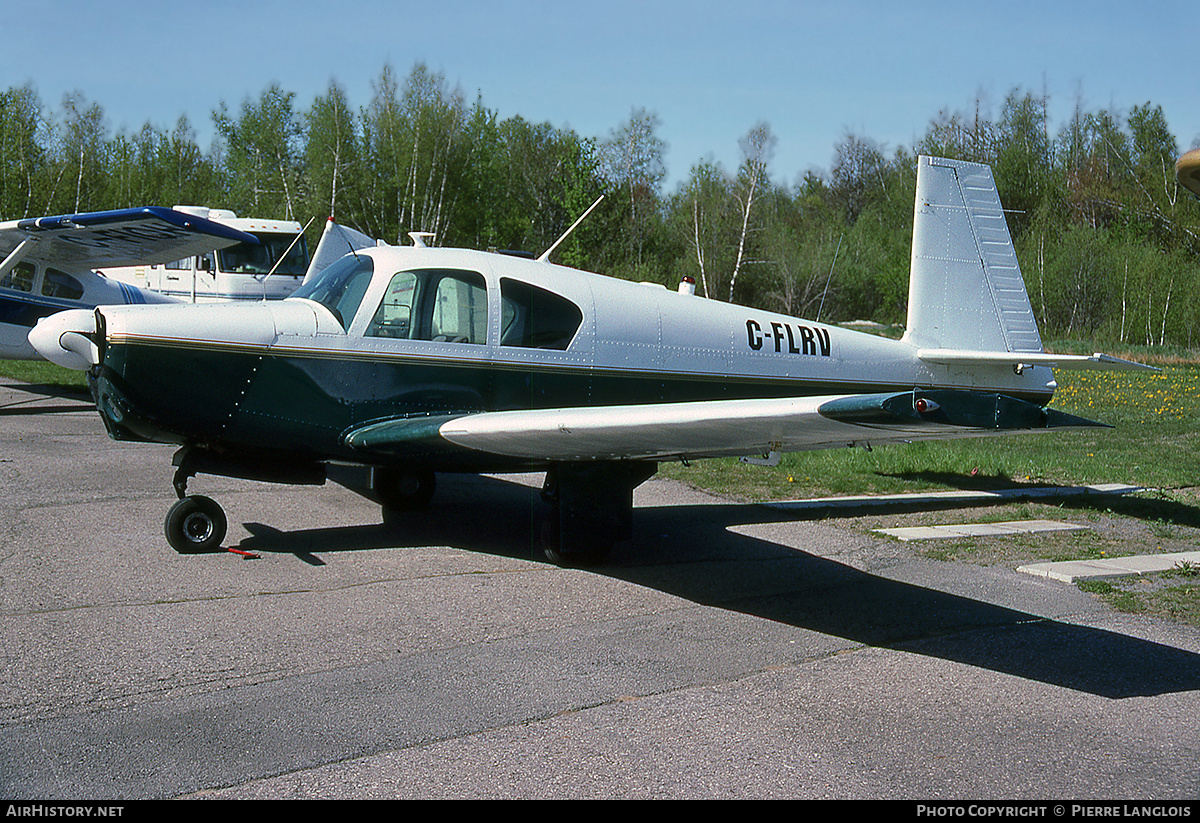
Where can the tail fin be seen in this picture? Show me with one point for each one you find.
(336, 242)
(965, 289)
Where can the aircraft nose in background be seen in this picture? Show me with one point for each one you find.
(61, 338)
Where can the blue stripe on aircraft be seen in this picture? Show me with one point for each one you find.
(26, 310)
(130, 294)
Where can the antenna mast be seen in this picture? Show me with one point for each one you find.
(546, 254)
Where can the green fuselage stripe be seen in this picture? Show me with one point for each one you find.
(302, 402)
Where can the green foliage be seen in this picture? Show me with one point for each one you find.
(1109, 247)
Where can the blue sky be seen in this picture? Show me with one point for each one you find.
(710, 70)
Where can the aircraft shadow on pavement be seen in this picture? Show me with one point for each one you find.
(78, 399)
(690, 551)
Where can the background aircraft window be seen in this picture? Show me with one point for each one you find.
(341, 286)
(534, 318)
(60, 284)
(449, 306)
(20, 278)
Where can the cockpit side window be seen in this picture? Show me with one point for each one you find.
(435, 304)
(534, 318)
(20, 277)
(393, 318)
(341, 286)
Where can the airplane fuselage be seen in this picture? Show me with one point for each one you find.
(417, 360)
(292, 377)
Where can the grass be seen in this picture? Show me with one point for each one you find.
(42, 373)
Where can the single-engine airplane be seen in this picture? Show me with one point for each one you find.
(47, 262)
(416, 360)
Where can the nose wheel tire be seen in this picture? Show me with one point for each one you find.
(195, 524)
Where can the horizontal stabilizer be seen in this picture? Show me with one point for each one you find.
(1097, 361)
(951, 407)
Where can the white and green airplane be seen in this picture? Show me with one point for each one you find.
(416, 360)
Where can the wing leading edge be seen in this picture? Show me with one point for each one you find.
(723, 427)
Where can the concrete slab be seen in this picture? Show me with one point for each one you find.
(1071, 571)
(959, 497)
(978, 529)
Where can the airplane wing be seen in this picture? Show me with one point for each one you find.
(118, 238)
(722, 427)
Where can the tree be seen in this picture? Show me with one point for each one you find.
(412, 141)
(81, 151)
(261, 157)
(757, 147)
(330, 153)
(23, 156)
(632, 160)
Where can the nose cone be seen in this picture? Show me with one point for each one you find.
(63, 338)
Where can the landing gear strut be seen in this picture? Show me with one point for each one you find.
(402, 490)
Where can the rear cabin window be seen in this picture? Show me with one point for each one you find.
(445, 305)
(60, 284)
(534, 318)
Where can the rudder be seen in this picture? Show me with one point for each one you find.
(966, 291)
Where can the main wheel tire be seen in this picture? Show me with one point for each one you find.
(581, 557)
(195, 524)
(404, 491)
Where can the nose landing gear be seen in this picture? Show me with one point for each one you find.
(195, 524)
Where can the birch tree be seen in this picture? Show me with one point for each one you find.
(757, 147)
(632, 160)
(262, 153)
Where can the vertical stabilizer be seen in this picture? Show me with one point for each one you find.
(336, 242)
(965, 288)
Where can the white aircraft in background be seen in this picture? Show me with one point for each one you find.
(415, 360)
(48, 263)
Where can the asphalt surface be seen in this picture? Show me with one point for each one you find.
(729, 651)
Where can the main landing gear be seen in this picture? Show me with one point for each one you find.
(400, 491)
(591, 508)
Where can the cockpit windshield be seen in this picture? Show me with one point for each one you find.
(340, 287)
(244, 258)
